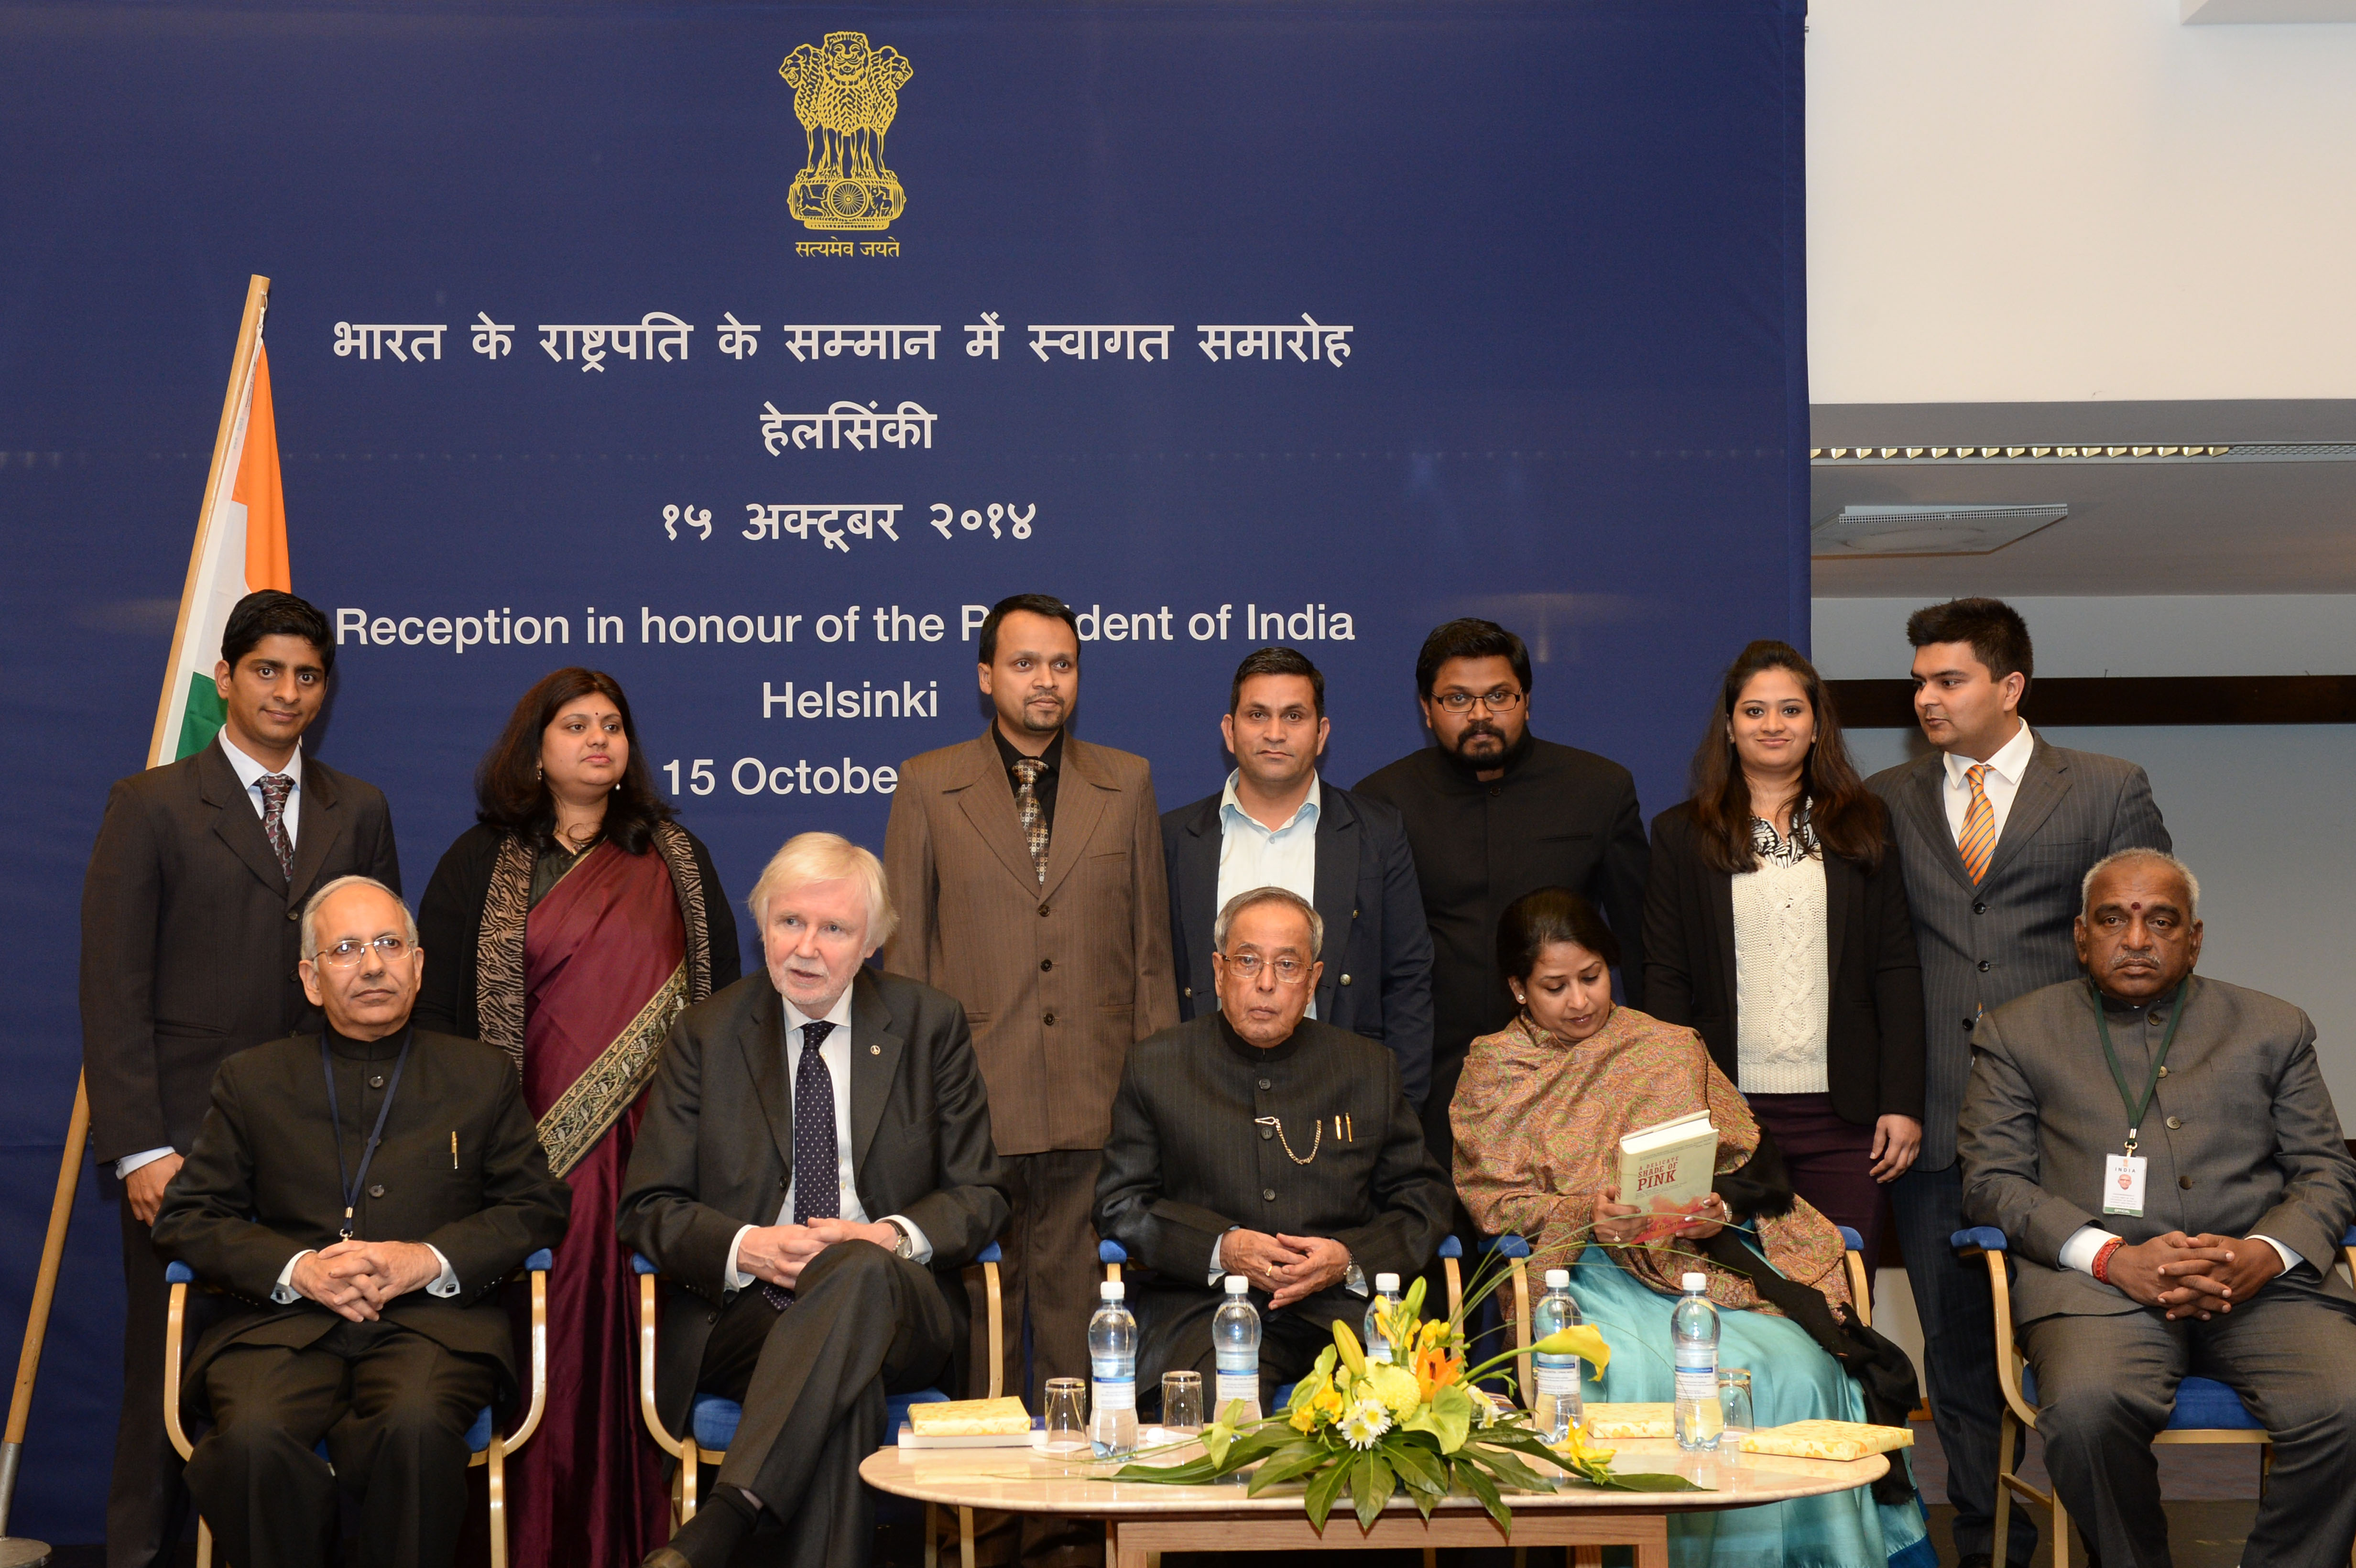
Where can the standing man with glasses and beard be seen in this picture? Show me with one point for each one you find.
(1491, 813)
(190, 951)
(1027, 866)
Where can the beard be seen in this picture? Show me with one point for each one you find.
(1510, 757)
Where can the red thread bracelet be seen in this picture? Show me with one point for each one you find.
(2102, 1269)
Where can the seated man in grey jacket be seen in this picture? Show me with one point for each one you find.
(2164, 1160)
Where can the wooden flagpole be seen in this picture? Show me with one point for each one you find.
(15, 1553)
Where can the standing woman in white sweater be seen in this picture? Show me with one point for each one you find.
(1775, 926)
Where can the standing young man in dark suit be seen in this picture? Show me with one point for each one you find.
(1491, 813)
(190, 945)
(814, 1170)
(1996, 829)
(1276, 824)
(366, 1274)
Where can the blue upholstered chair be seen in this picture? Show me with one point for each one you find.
(2206, 1411)
(1516, 1251)
(484, 1440)
(712, 1420)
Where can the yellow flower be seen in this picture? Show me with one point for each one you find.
(1347, 1344)
(1435, 1368)
(1328, 1405)
(1392, 1387)
(1302, 1419)
(1584, 1340)
(1433, 1335)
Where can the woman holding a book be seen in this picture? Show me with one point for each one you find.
(1776, 925)
(1541, 1116)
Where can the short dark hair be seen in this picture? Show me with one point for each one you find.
(1034, 604)
(1469, 639)
(511, 794)
(1537, 920)
(273, 613)
(1277, 661)
(1998, 637)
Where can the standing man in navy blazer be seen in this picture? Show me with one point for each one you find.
(1276, 824)
(1996, 829)
(190, 940)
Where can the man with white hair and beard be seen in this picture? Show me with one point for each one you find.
(814, 1169)
(2164, 1161)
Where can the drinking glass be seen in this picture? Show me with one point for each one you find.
(1068, 1415)
(1182, 1403)
(1734, 1405)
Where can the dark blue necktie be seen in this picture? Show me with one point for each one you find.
(817, 1164)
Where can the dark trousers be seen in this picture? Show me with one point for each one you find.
(1951, 1297)
(146, 1504)
(1174, 1336)
(1831, 1162)
(813, 1381)
(395, 1408)
(2105, 1386)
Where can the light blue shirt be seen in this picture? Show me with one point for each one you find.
(1254, 856)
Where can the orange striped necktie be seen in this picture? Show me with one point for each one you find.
(1978, 838)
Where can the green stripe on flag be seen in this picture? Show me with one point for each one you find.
(201, 721)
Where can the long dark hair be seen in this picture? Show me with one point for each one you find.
(511, 794)
(1848, 817)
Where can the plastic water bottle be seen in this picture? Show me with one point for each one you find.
(1234, 1341)
(1386, 1296)
(1558, 1403)
(1112, 1374)
(1693, 1326)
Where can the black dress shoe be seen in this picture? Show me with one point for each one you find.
(664, 1557)
(1977, 1560)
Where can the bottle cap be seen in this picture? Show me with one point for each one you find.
(1386, 1284)
(1238, 1284)
(1558, 1279)
(1110, 1289)
(1693, 1282)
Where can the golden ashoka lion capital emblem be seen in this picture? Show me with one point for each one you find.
(845, 95)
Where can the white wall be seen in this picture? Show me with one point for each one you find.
(2050, 201)
(2265, 815)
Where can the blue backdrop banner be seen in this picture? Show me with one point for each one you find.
(749, 352)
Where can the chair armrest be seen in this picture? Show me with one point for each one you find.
(990, 1255)
(1110, 1252)
(536, 1269)
(178, 1273)
(176, 1310)
(1450, 1247)
(1511, 1245)
(642, 1264)
(1970, 1244)
(539, 1262)
(644, 1267)
(1850, 1241)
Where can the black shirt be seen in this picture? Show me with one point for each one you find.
(1558, 817)
(1046, 788)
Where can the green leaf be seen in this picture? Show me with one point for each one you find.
(1324, 1490)
(1414, 1300)
(1287, 1465)
(1370, 1487)
(1651, 1481)
(1449, 1418)
(1423, 1469)
(1193, 1473)
(1470, 1477)
(1509, 1470)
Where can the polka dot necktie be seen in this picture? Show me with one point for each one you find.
(1978, 841)
(276, 788)
(1035, 821)
(817, 1164)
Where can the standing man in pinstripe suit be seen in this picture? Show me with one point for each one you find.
(1996, 829)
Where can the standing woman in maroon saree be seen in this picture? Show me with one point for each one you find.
(568, 928)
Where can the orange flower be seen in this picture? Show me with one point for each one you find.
(1435, 1369)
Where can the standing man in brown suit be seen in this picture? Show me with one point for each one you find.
(1028, 867)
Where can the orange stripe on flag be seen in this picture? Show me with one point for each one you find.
(257, 490)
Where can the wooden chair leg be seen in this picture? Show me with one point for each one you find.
(2061, 1531)
(2004, 1428)
(204, 1544)
(689, 1459)
(495, 1468)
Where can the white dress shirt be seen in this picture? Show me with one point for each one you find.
(285, 1295)
(1252, 855)
(835, 1052)
(1999, 783)
(249, 774)
(2086, 1243)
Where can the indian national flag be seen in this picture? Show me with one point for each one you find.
(241, 548)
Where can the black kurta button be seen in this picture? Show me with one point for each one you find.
(377, 1189)
(1979, 909)
(295, 914)
(1345, 979)
(377, 1081)
(2185, 1182)
(1048, 1020)
(1969, 1022)
(1986, 965)
(1045, 965)
(1266, 1084)
(1267, 1193)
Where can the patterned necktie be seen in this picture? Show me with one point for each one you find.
(276, 788)
(818, 1166)
(1978, 841)
(1026, 807)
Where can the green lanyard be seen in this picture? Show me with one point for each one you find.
(2134, 1107)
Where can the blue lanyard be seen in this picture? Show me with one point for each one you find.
(336, 1122)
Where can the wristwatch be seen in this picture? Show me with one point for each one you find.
(906, 1245)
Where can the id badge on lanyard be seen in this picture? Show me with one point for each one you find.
(2123, 1173)
(2123, 1184)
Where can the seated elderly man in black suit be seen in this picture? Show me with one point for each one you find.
(814, 1168)
(2165, 1162)
(365, 1191)
(1259, 1142)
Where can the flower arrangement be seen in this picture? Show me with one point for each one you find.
(1419, 1421)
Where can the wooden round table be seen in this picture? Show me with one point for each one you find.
(1143, 1520)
